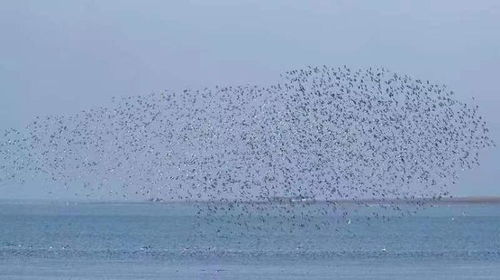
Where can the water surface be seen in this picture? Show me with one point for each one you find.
(167, 241)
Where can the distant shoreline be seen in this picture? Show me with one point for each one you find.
(472, 199)
(442, 201)
(453, 200)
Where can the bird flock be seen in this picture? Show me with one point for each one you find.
(319, 136)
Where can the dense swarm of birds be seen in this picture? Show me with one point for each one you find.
(321, 134)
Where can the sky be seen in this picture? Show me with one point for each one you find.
(61, 57)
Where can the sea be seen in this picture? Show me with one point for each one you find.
(97, 240)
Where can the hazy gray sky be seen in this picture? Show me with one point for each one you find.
(59, 57)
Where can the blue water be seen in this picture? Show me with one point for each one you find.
(167, 241)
